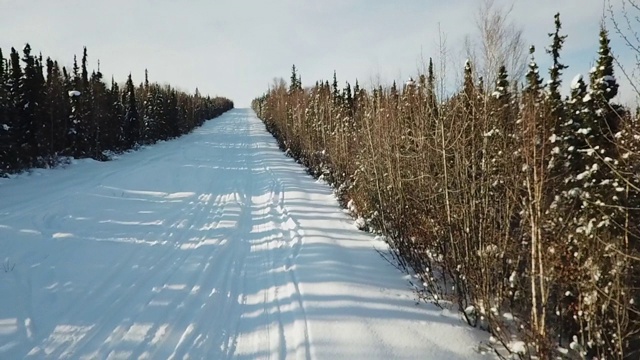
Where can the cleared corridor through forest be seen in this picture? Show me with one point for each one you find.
(212, 246)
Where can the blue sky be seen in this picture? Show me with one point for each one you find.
(235, 48)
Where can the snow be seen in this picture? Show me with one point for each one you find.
(575, 83)
(214, 245)
(518, 347)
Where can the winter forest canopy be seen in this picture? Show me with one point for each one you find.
(517, 204)
(48, 113)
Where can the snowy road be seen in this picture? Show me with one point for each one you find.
(212, 246)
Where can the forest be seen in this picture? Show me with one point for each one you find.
(49, 114)
(510, 201)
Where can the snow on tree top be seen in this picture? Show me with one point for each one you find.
(575, 83)
(73, 93)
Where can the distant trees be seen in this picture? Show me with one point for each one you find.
(517, 204)
(47, 112)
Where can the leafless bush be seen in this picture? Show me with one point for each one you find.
(519, 207)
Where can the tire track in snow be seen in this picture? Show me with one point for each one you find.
(113, 295)
(189, 287)
(170, 264)
(293, 236)
(214, 305)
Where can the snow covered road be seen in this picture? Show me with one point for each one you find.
(211, 246)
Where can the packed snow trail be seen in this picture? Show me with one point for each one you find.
(211, 246)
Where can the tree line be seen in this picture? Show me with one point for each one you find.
(517, 204)
(49, 112)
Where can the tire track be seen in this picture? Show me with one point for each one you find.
(115, 298)
(293, 236)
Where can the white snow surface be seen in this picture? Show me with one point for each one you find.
(211, 246)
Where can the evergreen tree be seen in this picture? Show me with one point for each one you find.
(502, 103)
(469, 92)
(75, 114)
(501, 91)
(73, 138)
(74, 133)
(559, 152)
(357, 95)
(595, 192)
(56, 111)
(394, 94)
(347, 96)
(555, 72)
(14, 129)
(32, 91)
(468, 87)
(86, 126)
(100, 115)
(159, 114)
(131, 119)
(4, 115)
(149, 120)
(534, 82)
(430, 85)
(28, 104)
(76, 79)
(295, 83)
(85, 72)
(116, 123)
(335, 91)
(604, 88)
(577, 106)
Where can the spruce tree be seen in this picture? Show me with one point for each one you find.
(4, 116)
(28, 103)
(149, 120)
(555, 72)
(578, 107)
(294, 84)
(86, 126)
(32, 91)
(56, 111)
(432, 100)
(468, 86)
(334, 89)
(14, 135)
(604, 87)
(159, 115)
(116, 122)
(100, 116)
(559, 153)
(132, 118)
(598, 193)
(74, 131)
(534, 82)
(501, 91)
